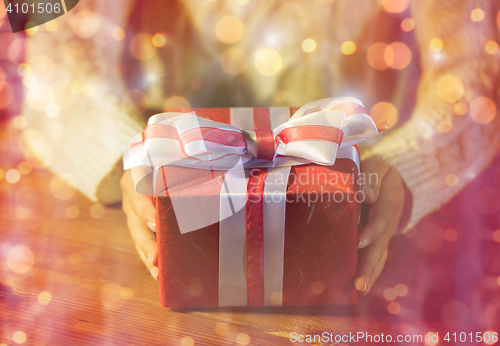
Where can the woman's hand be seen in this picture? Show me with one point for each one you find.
(386, 194)
(141, 217)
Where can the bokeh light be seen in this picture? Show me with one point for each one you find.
(436, 44)
(187, 341)
(317, 287)
(268, 61)
(450, 88)
(234, 60)
(394, 308)
(491, 47)
(141, 47)
(118, 34)
(407, 24)
(243, 339)
(496, 236)
(431, 339)
(444, 126)
(242, 2)
(384, 114)
(31, 31)
(19, 337)
(229, 29)
(477, 15)
(375, 56)
(62, 186)
(490, 337)
(401, 290)
(176, 102)
(44, 298)
(482, 110)
(348, 47)
(22, 213)
(52, 110)
(12, 176)
(20, 259)
(395, 6)
(276, 298)
(19, 122)
(85, 24)
(72, 211)
(127, 293)
(159, 40)
(97, 211)
(51, 26)
(75, 258)
(2, 174)
(3, 78)
(450, 235)
(6, 95)
(111, 296)
(390, 294)
(24, 167)
(309, 45)
(451, 180)
(460, 108)
(397, 55)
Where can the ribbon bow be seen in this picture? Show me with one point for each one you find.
(312, 134)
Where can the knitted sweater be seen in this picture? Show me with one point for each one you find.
(88, 85)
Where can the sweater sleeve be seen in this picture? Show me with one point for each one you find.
(78, 123)
(438, 152)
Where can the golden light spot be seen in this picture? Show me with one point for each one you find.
(44, 298)
(24, 167)
(375, 56)
(450, 235)
(176, 103)
(69, 53)
(85, 24)
(22, 213)
(268, 61)
(42, 67)
(29, 81)
(390, 294)
(62, 186)
(32, 31)
(450, 88)
(317, 287)
(233, 61)
(40, 96)
(401, 290)
(187, 341)
(20, 259)
(111, 296)
(97, 211)
(276, 298)
(72, 211)
(496, 236)
(348, 47)
(243, 339)
(394, 308)
(51, 26)
(490, 337)
(397, 55)
(395, 6)
(242, 2)
(229, 29)
(1, 174)
(460, 108)
(75, 258)
(498, 280)
(444, 126)
(491, 47)
(309, 45)
(384, 114)
(477, 15)
(482, 110)
(279, 96)
(52, 110)
(6, 95)
(451, 180)
(19, 122)
(118, 34)
(127, 293)
(19, 337)
(431, 339)
(407, 24)
(141, 47)
(12, 176)
(159, 40)
(195, 287)
(23, 69)
(3, 78)
(436, 44)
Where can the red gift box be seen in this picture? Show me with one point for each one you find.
(320, 239)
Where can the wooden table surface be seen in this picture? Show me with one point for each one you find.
(79, 281)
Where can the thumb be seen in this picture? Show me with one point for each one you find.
(373, 171)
